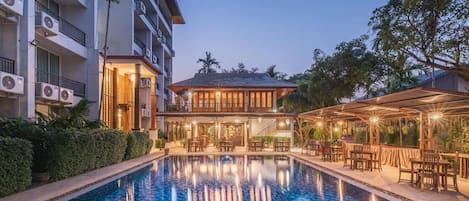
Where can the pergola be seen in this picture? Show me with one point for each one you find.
(426, 105)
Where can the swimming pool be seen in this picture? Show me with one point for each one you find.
(228, 178)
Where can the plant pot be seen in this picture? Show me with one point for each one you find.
(41, 176)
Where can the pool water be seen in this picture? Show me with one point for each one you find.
(227, 178)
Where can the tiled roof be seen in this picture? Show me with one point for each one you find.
(233, 80)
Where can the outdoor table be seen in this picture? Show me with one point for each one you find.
(444, 165)
(356, 152)
(282, 146)
(256, 145)
(226, 145)
(313, 146)
(335, 149)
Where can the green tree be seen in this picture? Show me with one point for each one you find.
(433, 32)
(208, 64)
(402, 74)
(275, 74)
(240, 68)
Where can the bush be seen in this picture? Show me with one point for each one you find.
(32, 132)
(160, 143)
(15, 162)
(73, 151)
(138, 144)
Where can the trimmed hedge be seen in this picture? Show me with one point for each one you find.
(138, 144)
(74, 151)
(15, 165)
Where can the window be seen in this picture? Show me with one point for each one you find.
(49, 6)
(203, 101)
(47, 69)
(260, 100)
(232, 101)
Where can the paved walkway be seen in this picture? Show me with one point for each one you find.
(60, 188)
(386, 180)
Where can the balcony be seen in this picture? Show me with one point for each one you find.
(65, 27)
(7, 65)
(78, 88)
(216, 107)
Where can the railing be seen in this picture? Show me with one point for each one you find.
(65, 27)
(78, 88)
(7, 65)
(215, 107)
(140, 44)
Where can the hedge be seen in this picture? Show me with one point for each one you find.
(15, 165)
(74, 151)
(138, 144)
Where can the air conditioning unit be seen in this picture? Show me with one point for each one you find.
(11, 83)
(47, 91)
(145, 82)
(65, 95)
(163, 40)
(46, 24)
(148, 53)
(154, 59)
(146, 113)
(140, 8)
(12, 6)
(160, 33)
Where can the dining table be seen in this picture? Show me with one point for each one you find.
(442, 169)
(282, 146)
(195, 145)
(256, 145)
(370, 155)
(226, 145)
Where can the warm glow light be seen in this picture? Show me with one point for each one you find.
(319, 123)
(217, 93)
(287, 121)
(274, 110)
(340, 123)
(237, 121)
(336, 129)
(435, 115)
(281, 124)
(194, 122)
(374, 119)
(259, 119)
(187, 126)
(189, 93)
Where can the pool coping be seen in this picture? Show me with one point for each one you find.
(361, 184)
(64, 188)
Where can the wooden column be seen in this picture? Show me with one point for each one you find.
(429, 132)
(153, 103)
(374, 133)
(422, 130)
(137, 106)
(115, 98)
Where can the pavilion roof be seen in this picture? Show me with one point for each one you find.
(400, 104)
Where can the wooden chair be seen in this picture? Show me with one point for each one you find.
(361, 159)
(347, 157)
(453, 171)
(326, 151)
(376, 161)
(428, 172)
(403, 170)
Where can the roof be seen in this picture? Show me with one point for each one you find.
(400, 104)
(426, 78)
(177, 17)
(231, 80)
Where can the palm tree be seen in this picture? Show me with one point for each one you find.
(105, 48)
(207, 64)
(403, 74)
(271, 71)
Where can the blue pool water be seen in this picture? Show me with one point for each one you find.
(227, 178)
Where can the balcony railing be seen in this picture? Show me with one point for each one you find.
(216, 107)
(7, 65)
(140, 44)
(78, 88)
(65, 27)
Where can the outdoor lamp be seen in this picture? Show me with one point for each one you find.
(336, 129)
(374, 119)
(435, 115)
(287, 121)
(319, 123)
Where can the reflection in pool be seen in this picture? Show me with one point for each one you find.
(228, 178)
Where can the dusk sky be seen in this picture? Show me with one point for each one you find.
(261, 33)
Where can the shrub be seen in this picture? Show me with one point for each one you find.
(73, 151)
(15, 162)
(138, 144)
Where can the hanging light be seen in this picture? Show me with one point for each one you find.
(336, 129)
(435, 115)
(374, 119)
(319, 123)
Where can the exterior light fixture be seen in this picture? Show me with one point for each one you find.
(319, 123)
(259, 119)
(237, 121)
(435, 115)
(189, 93)
(281, 124)
(374, 119)
(336, 129)
(194, 122)
(287, 121)
(217, 93)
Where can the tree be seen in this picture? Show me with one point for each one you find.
(433, 32)
(207, 64)
(240, 68)
(275, 74)
(402, 74)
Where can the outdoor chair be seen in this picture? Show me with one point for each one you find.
(326, 152)
(347, 158)
(376, 161)
(453, 171)
(403, 170)
(360, 159)
(428, 172)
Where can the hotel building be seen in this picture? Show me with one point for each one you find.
(234, 106)
(51, 57)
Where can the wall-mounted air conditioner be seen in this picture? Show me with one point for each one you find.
(46, 24)
(14, 7)
(65, 95)
(140, 8)
(11, 83)
(47, 91)
(145, 82)
(154, 59)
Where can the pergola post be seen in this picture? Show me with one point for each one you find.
(374, 133)
(425, 131)
(429, 132)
